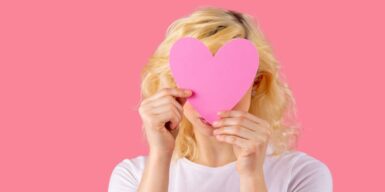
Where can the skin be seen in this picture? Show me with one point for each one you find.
(237, 136)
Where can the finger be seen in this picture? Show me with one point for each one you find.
(234, 140)
(175, 92)
(245, 122)
(242, 114)
(174, 124)
(235, 121)
(245, 133)
(174, 132)
(169, 116)
(246, 145)
(236, 131)
(166, 100)
(166, 109)
(181, 100)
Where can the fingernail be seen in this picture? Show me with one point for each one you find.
(187, 91)
(215, 123)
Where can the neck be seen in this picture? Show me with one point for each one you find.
(212, 152)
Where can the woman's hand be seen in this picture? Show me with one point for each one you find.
(161, 114)
(249, 136)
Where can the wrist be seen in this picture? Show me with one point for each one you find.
(257, 177)
(253, 182)
(160, 155)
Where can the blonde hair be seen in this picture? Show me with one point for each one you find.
(272, 101)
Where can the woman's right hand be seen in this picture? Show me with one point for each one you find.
(161, 114)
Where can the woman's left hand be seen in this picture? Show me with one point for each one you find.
(249, 136)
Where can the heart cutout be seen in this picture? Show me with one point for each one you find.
(218, 82)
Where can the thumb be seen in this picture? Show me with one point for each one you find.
(174, 132)
(182, 100)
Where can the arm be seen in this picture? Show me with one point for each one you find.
(156, 173)
(161, 115)
(253, 183)
(309, 174)
(249, 135)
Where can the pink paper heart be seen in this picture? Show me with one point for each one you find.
(218, 82)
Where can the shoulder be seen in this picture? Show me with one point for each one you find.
(136, 163)
(307, 173)
(126, 174)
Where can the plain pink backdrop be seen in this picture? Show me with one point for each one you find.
(70, 75)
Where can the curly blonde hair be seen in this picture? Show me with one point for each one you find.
(272, 101)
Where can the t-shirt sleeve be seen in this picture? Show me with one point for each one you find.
(310, 175)
(126, 175)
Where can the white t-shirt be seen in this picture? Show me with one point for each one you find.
(293, 171)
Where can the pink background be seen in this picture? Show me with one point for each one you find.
(69, 85)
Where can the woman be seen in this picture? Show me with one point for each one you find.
(251, 146)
